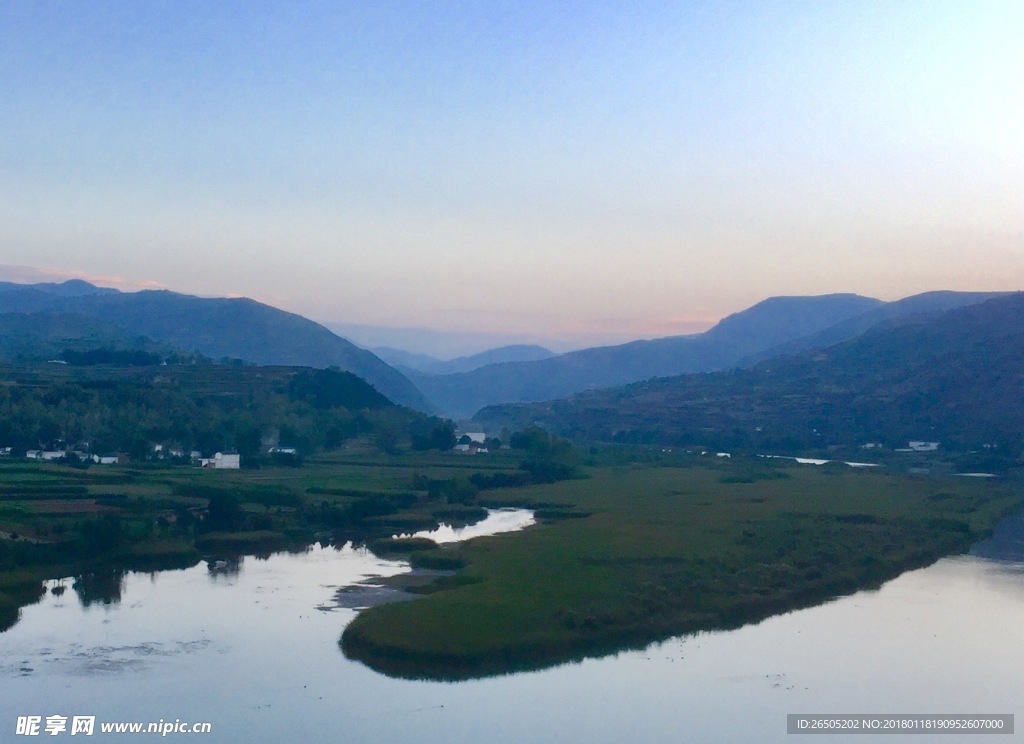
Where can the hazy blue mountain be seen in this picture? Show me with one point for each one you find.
(954, 377)
(436, 343)
(218, 327)
(70, 288)
(769, 323)
(400, 359)
(928, 302)
(409, 362)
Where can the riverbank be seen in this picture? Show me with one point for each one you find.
(664, 551)
(57, 520)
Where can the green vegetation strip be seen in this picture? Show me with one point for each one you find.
(666, 551)
(58, 521)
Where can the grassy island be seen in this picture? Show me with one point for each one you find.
(651, 552)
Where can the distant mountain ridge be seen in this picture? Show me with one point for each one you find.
(927, 302)
(409, 362)
(771, 328)
(954, 377)
(769, 323)
(70, 288)
(77, 311)
(217, 327)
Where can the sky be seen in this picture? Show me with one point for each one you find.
(572, 172)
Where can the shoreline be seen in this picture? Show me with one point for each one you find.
(599, 585)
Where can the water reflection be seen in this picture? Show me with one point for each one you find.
(818, 461)
(100, 587)
(221, 568)
(497, 521)
(255, 657)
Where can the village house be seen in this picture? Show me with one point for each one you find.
(473, 448)
(221, 461)
(45, 454)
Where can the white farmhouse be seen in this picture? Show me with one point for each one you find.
(227, 462)
(221, 461)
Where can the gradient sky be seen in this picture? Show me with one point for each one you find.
(579, 170)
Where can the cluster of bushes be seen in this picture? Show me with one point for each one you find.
(548, 458)
(254, 494)
(359, 511)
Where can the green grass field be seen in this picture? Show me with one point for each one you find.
(630, 554)
(666, 551)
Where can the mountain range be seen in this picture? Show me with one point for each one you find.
(952, 376)
(216, 327)
(772, 327)
(408, 362)
(42, 320)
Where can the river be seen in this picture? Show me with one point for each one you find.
(253, 649)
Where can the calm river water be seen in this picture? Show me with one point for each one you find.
(253, 649)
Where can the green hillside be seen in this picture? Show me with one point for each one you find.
(209, 407)
(216, 327)
(953, 377)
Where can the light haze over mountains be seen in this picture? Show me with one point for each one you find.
(38, 319)
(423, 363)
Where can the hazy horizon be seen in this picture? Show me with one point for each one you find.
(441, 344)
(584, 172)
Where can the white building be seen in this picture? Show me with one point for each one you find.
(43, 455)
(221, 461)
(227, 462)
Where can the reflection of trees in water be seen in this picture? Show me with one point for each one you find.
(102, 587)
(224, 566)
